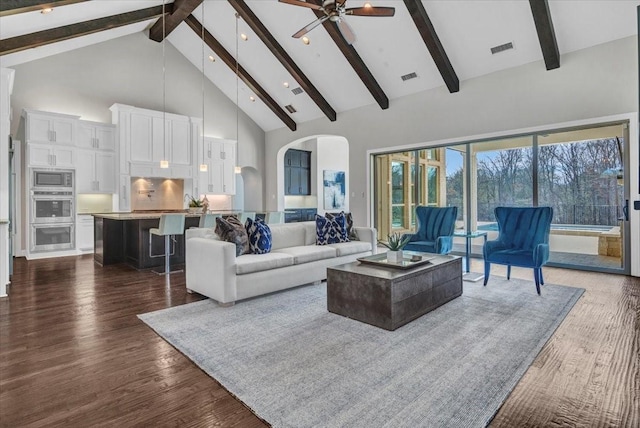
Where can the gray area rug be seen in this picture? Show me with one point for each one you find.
(297, 365)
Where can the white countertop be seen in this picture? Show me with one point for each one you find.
(138, 216)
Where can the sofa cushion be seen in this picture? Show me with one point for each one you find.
(353, 247)
(286, 235)
(259, 236)
(308, 253)
(231, 230)
(331, 231)
(309, 232)
(249, 263)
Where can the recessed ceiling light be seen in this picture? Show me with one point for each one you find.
(46, 10)
(211, 58)
(285, 84)
(305, 40)
(252, 99)
(244, 37)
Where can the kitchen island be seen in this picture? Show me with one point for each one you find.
(124, 238)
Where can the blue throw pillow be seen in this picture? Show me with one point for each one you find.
(259, 236)
(331, 231)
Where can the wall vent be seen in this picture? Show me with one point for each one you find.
(297, 91)
(409, 76)
(501, 48)
(290, 108)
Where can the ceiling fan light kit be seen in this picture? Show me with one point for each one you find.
(335, 11)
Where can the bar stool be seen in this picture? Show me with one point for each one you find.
(208, 220)
(170, 225)
(244, 215)
(275, 217)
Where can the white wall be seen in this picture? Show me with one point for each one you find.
(590, 83)
(128, 70)
(6, 84)
(332, 154)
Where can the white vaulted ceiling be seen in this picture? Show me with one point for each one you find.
(390, 47)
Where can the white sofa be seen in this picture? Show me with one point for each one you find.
(212, 268)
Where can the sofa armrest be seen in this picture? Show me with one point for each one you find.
(199, 232)
(210, 268)
(368, 234)
(444, 244)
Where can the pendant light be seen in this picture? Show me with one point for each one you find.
(164, 163)
(203, 166)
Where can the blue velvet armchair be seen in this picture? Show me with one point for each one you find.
(523, 241)
(435, 230)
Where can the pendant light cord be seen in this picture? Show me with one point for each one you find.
(237, 84)
(164, 87)
(203, 3)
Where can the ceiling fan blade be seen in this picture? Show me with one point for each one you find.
(346, 31)
(310, 27)
(371, 11)
(302, 3)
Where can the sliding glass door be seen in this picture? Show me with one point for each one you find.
(579, 172)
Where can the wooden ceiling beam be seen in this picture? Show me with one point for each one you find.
(288, 63)
(546, 34)
(181, 9)
(12, 7)
(432, 41)
(228, 59)
(53, 35)
(356, 62)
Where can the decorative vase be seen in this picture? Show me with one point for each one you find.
(394, 256)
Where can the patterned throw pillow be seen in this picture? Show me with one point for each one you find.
(231, 230)
(331, 231)
(259, 236)
(351, 233)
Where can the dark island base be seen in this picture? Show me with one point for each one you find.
(127, 241)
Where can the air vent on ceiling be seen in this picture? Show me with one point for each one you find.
(290, 108)
(409, 76)
(501, 48)
(297, 91)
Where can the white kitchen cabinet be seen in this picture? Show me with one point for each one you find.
(93, 135)
(148, 136)
(95, 172)
(84, 233)
(44, 127)
(50, 155)
(220, 157)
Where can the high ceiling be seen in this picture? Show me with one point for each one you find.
(389, 47)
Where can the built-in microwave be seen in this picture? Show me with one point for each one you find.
(52, 207)
(52, 179)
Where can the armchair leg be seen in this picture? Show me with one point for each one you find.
(508, 271)
(487, 269)
(537, 274)
(541, 278)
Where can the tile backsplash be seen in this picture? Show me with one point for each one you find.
(157, 194)
(94, 203)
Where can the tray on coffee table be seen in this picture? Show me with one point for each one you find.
(409, 260)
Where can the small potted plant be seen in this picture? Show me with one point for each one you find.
(395, 243)
(195, 204)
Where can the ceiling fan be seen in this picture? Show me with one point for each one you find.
(335, 11)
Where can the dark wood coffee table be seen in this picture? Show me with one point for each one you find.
(387, 297)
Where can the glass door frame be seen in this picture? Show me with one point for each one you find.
(471, 199)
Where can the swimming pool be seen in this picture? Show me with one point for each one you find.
(583, 227)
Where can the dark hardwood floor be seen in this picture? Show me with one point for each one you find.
(74, 354)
